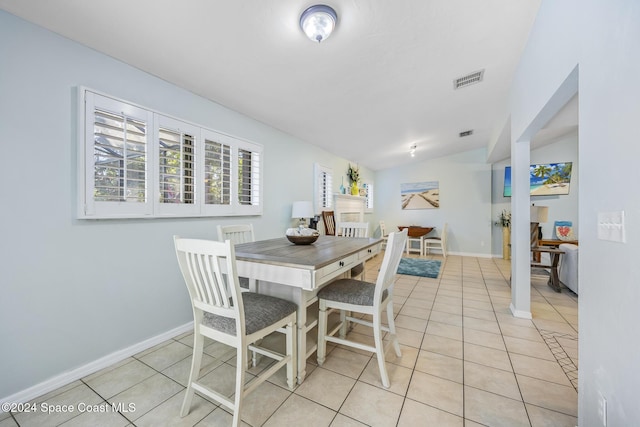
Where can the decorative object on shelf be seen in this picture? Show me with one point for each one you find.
(563, 230)
(420, 195)
(342, 189)
(318, 21)
(302, 236)
(353, 173)
(504, 221)
(302, 210)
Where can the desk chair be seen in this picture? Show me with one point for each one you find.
(366, 298)
(238, 319)
(440, 243)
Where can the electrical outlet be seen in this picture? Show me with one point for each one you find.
(602, 410)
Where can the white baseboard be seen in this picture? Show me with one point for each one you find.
(520, 313)
(91, 367)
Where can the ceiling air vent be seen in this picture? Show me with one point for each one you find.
(466, 133)
(469, 79)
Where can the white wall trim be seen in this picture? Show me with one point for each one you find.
(91, 367)
(520, 313)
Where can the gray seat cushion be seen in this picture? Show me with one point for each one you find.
(260, 311)
(350, 291)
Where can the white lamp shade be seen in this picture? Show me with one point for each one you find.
(303, 209)
(318, 22)
(539, 214)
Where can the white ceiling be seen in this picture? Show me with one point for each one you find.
(382, 82)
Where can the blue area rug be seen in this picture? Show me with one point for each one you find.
(420, 267)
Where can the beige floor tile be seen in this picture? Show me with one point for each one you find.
(448, 300)
(487, 356)
(166, 355)
(447, 308)
(548, 370)
(493, 410)
(399, 376)
(326, 388)
(298, 411)
(445, 330)
(556, 397)
(262, 403)
(408, 337)
(342, 421)
(479, 305)
(120, 379)
(448, 318)
(407, 359)
(372, 405)
(440, 365)
(168, 412)
(486, 339)
(97, 418)
(541, 417)
(146, 395)
(480, 314)
(437, 392)
(418, 414)
(481, 324)
(220, 418)
(549, 325)
(179, 372)
(418, 312)
(346, 362)
(491, 379)
(528, 348)
(523, 332)
(411, 323)
(443, 345)
(8, 422)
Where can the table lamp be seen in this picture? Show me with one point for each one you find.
(538, 214)
(302, 210)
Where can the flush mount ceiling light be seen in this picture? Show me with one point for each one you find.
(412, 150)
(318, 22)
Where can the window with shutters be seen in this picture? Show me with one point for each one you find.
(323, 188)
(368, 194)
(134, 162)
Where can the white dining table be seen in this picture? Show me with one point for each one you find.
(279, 268)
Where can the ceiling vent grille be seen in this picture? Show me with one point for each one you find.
(469, 79)
(466, 133)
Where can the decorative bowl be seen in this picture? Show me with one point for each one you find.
(302, 240)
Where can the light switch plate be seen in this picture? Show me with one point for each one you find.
(611, 226)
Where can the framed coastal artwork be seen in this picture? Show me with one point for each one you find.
(420, 195)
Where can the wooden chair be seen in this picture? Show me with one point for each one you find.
(440, 242)
(329, 223)
(234, 318)
(366, 298)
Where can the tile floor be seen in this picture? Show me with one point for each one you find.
(466, 362)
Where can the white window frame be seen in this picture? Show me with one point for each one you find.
(151, 206)
(322, 187)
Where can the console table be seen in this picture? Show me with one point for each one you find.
(553, 243)
(554, 278)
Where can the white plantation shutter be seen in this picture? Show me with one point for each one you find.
(368, 187)
(323, 188)
(134, 163)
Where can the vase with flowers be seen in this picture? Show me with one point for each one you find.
(353, 173)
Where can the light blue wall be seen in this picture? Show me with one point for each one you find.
(465, 199)
(561, 208)
(601, 38)
(74, 291)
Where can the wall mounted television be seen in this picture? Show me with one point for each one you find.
(548, 179)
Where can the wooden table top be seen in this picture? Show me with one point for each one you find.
(416, 231)
(546, 249)
(555, 242)
(324, 251)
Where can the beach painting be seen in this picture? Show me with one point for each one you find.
(545, 179)
(420, 195)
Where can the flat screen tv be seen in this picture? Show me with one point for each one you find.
(549, 179)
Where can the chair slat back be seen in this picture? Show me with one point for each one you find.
(392, 254)
(209, 271)
(353, 229)
(329, 223)
(383, 229)
(241, 233)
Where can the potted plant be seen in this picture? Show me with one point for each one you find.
(353, 173)
(504, 221)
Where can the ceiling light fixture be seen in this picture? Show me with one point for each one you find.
(318, 21)
(412, 151)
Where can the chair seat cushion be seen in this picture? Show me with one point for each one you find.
(350, 291)
(260, 311)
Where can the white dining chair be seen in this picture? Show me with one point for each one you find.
(238, 233)
(238, 319)
(357, 296)
(354, 229)
(383, 234)
(439, 242)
